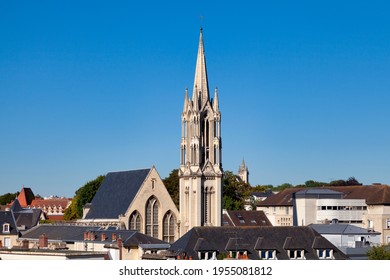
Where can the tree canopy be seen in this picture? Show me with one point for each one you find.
(8, 198)
(379, 253)
(172, 184)
(83, 196)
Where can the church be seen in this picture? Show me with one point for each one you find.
(138, 199)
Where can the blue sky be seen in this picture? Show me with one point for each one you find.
(89, 87)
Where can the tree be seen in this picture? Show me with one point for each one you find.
(8, 198)
(350, 182)
(235, 192)
(379, 253)
(353, 182)
(261, 188)
(283, 186)
(338, 183)
(83, 196)
(314, 184)
(172, 184)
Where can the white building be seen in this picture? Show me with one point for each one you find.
(320, 206)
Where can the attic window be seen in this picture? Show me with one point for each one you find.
(325, 254)
(267, 254)
(5, 228)
(153, 183)
(210, 255)
(296, 254)
(253, 222)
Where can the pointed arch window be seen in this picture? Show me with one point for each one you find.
(135, 221)
(169, 227)
(151, 221)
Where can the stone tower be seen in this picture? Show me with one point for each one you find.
(243, 172)
(200, 169)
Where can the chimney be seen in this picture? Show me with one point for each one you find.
(103, 236)
(25, 244)
(120, 246)
(43, 241)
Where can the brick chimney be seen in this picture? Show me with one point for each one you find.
(25, 244)
(120, 246)
(43, 241)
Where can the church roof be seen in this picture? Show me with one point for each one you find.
(116, 193)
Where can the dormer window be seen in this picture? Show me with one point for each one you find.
(6, 228)
(325, 254)
(204, 255)
(296, 254)
(267, 254)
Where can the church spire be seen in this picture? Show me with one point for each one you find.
(215, 101)
(201, 84)
(185, 108)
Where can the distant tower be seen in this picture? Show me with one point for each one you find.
(243, 172)
(200, 170)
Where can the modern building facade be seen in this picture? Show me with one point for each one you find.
(364, 206)
(200, 169)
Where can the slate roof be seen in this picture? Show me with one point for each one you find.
(27, 218)
(341, 229)
(253, 239)
(7, 217)
(373, 194)
(74, 233)
(116, 193)
(245, 218)
(266, 193)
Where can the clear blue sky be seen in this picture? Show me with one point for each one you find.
(89, 87)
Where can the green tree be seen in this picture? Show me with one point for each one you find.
(8, 198)
(235, 192)
(353, 182)
(379, 253)
(314, 184)
(261, 188)
(83, 196)
(172, 184)
(283, 186)
(338, 183)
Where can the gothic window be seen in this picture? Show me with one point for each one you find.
(169, 227)
(184, 155)
(207, 138)
(135, 221)
(185, 129)
(206, 206)
(151, 221)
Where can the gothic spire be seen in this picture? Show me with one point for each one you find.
(201, 84)
(215, 101)
(185, 101)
